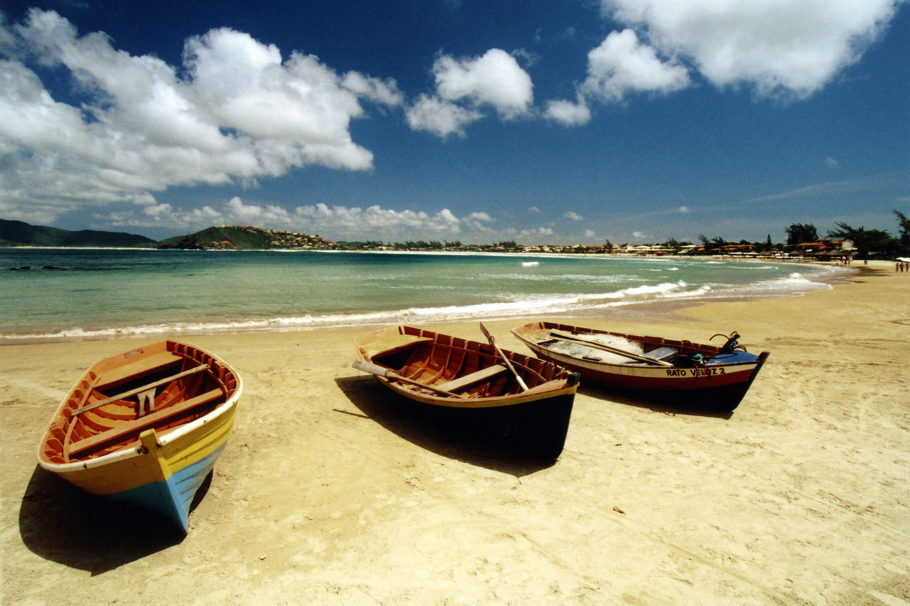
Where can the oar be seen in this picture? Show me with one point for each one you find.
(565, 336)
(492, 341)
(376, 369)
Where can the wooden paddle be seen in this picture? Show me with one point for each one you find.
(376, 369)
(565, 336)
(492, 341)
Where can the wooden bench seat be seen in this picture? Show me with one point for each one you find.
(122, 430)
(139, 390)
(474, 377)
(138, 368)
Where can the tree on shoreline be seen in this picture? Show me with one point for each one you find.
(798, 233)
(865, 240)
(904, 233)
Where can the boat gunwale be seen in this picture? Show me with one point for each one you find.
(648, 370)
(631, 364)
(498, 401)
(544, 390)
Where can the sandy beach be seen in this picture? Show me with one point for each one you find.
(326, 494)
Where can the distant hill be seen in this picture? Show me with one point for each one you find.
(18, 233)
(234, 237)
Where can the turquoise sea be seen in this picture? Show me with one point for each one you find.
(64, 294)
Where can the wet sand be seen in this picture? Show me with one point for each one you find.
(328, 493)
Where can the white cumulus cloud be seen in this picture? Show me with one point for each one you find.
(536, 234)
(479, 222)
(465, 86)
(365, 223)
(781, 49)
(568, 113)
(339, 222)
(384, 91)
(777, 46)
(440, 117)
(622, 65)
(494, 78)
(237, 112)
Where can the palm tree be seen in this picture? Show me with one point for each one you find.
(865, 240)
(904, 235)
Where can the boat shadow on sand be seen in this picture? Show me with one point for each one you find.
(655, 403)
(64, 524)
(444, 431)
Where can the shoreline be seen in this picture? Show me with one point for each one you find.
(308, 323)
(328, 493)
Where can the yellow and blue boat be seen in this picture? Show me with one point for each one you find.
(145, 426)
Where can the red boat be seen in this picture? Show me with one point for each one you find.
(682, 373)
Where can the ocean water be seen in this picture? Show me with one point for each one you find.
(80, 293)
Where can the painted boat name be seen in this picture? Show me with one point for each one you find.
(695, 372)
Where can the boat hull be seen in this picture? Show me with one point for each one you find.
(535, 426)
(533, 423)
(714, 386)
(161, 469)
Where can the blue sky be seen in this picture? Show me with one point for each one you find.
(537, 121)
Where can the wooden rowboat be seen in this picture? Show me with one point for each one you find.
(145, 426)
(525, 398)
(677, 372)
